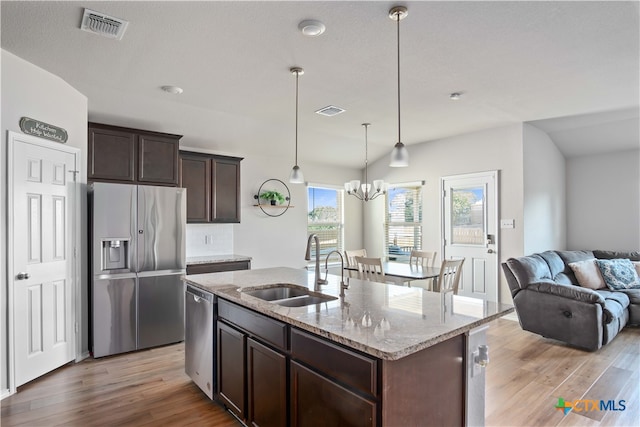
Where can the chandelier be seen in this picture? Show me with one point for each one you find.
(365, 191)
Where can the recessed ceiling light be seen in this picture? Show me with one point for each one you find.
(311, 27)
(172, 89)
(455, 96)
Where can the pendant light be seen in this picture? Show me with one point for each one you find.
(364, 192)
(296, 176)
(399, 155)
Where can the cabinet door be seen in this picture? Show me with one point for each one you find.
(226, 190)
(231, 371)
(195, 176)
(266, 386)
(111, 155)
(157, 159)
(317, 401)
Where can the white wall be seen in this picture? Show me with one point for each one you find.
(33, 92)
(492, 149)
(603, 201)
(281, 241)
(545, 218)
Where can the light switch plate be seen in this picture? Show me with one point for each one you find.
(507, 223)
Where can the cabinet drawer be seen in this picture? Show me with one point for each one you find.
(216, 267)
(262, 327)
(336, 362)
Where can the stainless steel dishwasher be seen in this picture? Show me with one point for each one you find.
(198, 338)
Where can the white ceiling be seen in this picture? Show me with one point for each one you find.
(513, 62)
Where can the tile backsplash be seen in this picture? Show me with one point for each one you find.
(209, 239)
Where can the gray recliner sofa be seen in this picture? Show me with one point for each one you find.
(549, 301)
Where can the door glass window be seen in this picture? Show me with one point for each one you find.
(468, 216)
(325, 218)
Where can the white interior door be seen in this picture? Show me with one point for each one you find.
(42, 196)
(470, 226)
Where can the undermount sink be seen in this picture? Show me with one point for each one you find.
(277, 293)
(289, 295)
(305, 300)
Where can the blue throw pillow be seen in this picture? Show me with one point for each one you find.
(618, 274)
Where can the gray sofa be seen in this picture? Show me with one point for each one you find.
(549, 301)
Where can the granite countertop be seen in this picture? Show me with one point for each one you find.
(385, 321)
(212, 259)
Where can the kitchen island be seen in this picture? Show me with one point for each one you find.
(378, 355)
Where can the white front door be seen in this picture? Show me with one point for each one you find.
(42, 196)
(470, 226)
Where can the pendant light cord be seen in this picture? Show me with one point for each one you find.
(366, 159)
(398, 19)
(297, 75)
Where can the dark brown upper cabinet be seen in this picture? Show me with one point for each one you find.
(133, 156)
(213, 187)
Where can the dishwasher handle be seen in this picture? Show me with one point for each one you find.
(199, 295)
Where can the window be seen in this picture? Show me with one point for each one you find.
(467, 216)
(403, 225)
(325, 218)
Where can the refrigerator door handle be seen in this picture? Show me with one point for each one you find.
(133, 252)
(114, 276)
(160, 273)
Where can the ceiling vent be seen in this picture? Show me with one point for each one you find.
(103, 25)
(330, 110)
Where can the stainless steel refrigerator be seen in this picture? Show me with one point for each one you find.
(137, 258)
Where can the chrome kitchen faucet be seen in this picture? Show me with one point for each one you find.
(318, 280)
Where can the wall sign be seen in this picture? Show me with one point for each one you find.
(43, 130)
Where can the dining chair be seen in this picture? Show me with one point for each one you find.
(350, 256)
(424, 259)
(370, 269)
(449, 279)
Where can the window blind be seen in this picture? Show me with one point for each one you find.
(403, 225)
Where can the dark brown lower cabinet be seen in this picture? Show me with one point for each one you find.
(232, 368)
(266, 386)
(252, 378)
(273, 374)
(318, 401)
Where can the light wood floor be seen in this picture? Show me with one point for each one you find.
(525, 377)
(527, 374)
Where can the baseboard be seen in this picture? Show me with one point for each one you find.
(511, 316)
(5, 393)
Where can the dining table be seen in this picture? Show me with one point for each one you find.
(404, 271)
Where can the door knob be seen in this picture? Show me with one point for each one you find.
(22, 275)
(490, 251)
